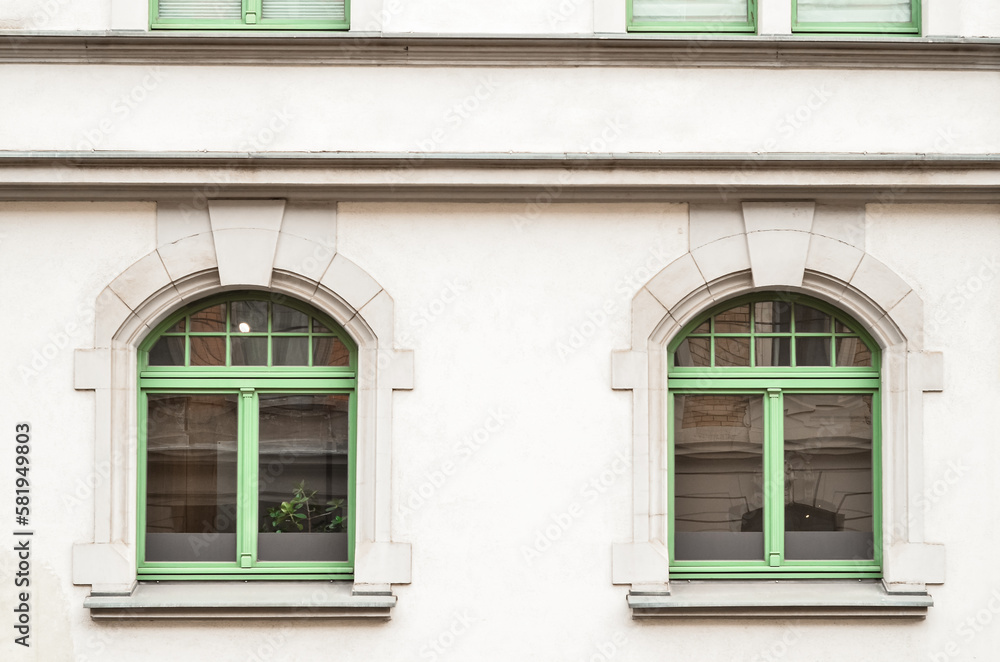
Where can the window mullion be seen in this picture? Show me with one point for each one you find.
(247, 482)
(774, 479)
(251, 11)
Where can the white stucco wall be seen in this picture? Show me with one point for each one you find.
(512, 323)
(969, 18)
(498, 110)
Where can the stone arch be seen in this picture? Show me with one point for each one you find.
(803, 247)
(265, 245)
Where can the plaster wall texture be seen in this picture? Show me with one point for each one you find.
(393, 109)
(971, 18)
(512, 428)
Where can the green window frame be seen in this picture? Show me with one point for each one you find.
(284, 430)
(250, 15)
(640, 24)
(909, 27)
(773, 365)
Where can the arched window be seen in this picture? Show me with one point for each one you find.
(774, 442)
(247, 442)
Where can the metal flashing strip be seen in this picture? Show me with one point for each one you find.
(626, 50)
(254, 599)
(780, 599)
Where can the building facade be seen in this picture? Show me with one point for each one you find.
(562, 330)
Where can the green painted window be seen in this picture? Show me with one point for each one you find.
(251, 14)
(692, 15)
(856, 16)
(247, 443)
(774, 433)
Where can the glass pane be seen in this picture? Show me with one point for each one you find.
(249, 350)
(696, 11)
(810, 320)
(854, 11)
(719, 479)
(289, 320)
(773, 351)
(828, 477)
(813, 351)
(249, 317)
(853, 352)
(303, 487)
(168, 350)
(212, 319)
(177, 328)
(732, 352)
(773, 317)
(292, 350)
(704, 327)
(319, 328)
(330, 351)
(191, 478)
(840, 327)
(208, 350)
(694, 352)
(734, 320)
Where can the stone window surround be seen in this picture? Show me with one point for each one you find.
(223, 245)
(817, 250)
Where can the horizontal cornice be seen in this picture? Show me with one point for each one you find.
(370, 49)
(540, 178)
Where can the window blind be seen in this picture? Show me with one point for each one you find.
(305, 10)
(854, 11)
(201, 9)
(693, 11)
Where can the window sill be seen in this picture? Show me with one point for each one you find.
(779, 599)
(240, 599)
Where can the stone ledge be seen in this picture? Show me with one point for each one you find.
(242, 600)
(658, 50)
(780, 599)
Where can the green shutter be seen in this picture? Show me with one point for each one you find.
(303, 10)
(692, 15)
(857, 16)
(250, 14)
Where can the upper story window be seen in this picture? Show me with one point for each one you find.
(692, 16)
(247, 443)
(856, 16)
(774, 443)
(251, 14)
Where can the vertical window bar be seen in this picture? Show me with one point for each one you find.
(246, 460)
(774, 479)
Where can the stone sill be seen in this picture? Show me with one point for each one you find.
(243, 600)
(779, 599)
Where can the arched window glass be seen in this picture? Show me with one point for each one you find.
(774, 442)
(247, 442)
